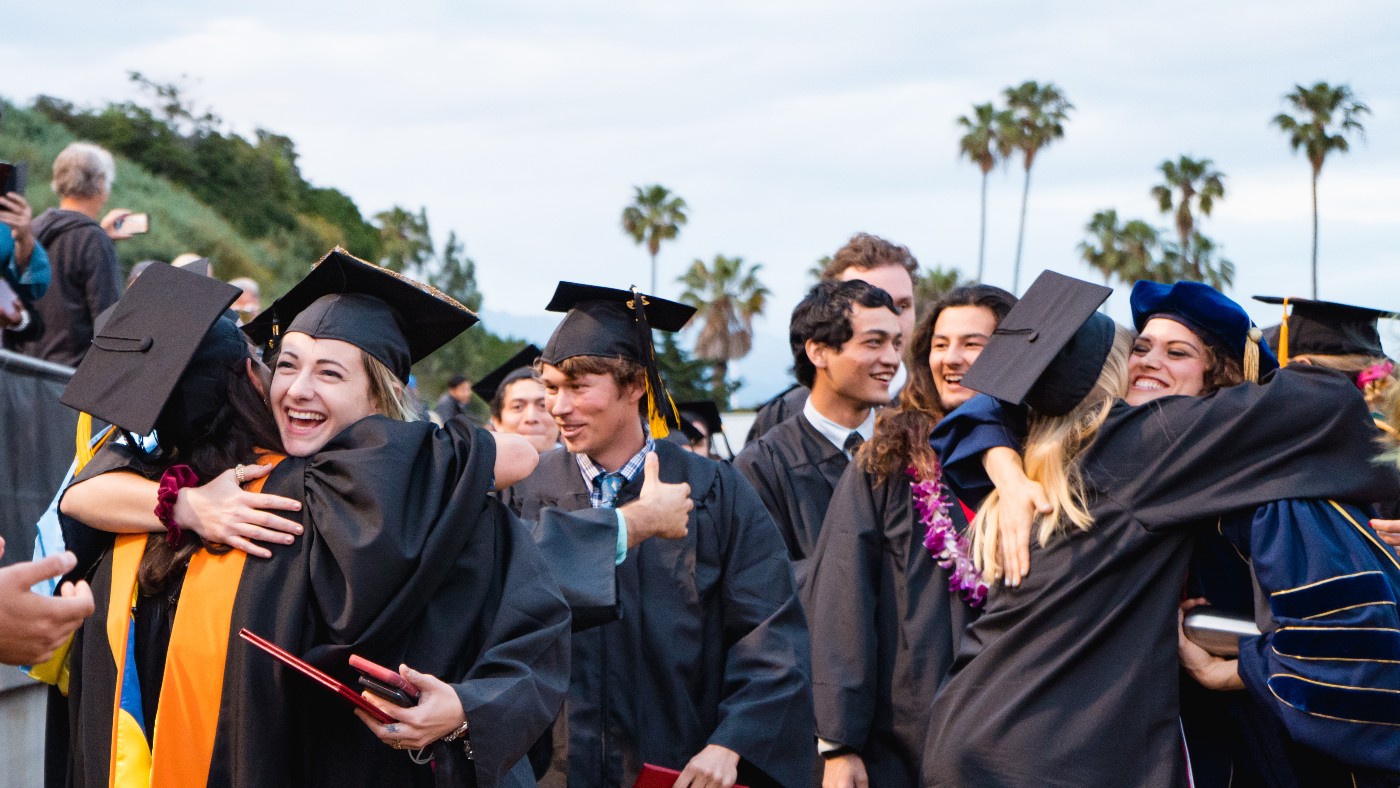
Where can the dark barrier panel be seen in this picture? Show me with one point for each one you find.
(36, 446)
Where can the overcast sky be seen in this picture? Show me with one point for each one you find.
(785, 125)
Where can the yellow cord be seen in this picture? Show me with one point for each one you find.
(1283, 337)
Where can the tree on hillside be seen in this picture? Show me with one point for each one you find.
(933, 283)
(1126, 251)
(727, 295)
(1196, 263)
(1326, 115)
(1035, 117)
(1190, 187)
(983, 146)
(655, 215)
(689, 378)
(405, 243)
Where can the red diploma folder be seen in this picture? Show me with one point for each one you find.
(281, 655)
(659, 777)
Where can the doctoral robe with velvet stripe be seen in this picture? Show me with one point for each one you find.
(711, 646)
(884, 625)
(404, 559)
(1323, 681)
(1070, 679)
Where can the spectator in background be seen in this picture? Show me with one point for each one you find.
(24, 266)
(872, 259)
(249, 303)
(86, 277)
(456, 400)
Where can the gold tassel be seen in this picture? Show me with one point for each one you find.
(655, 421)
(1283, 337)
(1251, 354)
(84, 439)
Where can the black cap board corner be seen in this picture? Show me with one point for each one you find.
(1049, 349)
(394, 318)
(706, 411)
(1325, 328)
(612, 323)
(491, 381)
(145, 345)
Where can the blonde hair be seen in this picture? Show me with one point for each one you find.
(1353, 364)
(1053, 448)
(386, 391)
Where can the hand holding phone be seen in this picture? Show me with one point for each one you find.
(14, 177)
(384, 682)
(134, 224)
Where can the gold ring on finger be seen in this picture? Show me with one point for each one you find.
(239, 475)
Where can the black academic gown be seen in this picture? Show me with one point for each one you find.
(404, 559)
(777, 410)
(711, 647)
(884, 625)
(794, 469)
(1070, 679)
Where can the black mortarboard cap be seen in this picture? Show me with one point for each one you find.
(1327, 329)
(603, 321)
(486, 387)
(705, 410)
(1049, 349)
(1213, 316)
(388, 315)
(147, 342)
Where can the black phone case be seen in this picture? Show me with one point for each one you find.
(394, 695)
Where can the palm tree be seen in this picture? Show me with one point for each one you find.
(727, 296)
(1200, 265)
(1035, 118)
(655, 215)
(933, 283)
(1124, 251)
(1326, 115)
(981, 146)
(1199, 185)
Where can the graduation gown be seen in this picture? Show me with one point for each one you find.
(1326, 670)
(1070, 679)
(777, 410)
(711, 647)
(580, 548)
(884, 625)
(794, 469)
(404, 559)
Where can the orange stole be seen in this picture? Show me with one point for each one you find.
(193, 682)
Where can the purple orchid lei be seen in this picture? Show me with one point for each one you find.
(941, 537)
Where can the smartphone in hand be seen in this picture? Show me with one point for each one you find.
(14, 177)
(384, 682)
(134, 223)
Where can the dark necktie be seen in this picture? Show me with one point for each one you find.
(853, 442)
(610, 484)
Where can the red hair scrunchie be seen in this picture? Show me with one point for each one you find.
(176, 478)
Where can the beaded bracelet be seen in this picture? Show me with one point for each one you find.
(176, 478)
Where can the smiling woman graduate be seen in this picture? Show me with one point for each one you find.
(1070, 679)
(405, 559)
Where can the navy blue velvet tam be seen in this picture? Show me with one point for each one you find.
(395, 319)
(1217, 320)
(1049, 349)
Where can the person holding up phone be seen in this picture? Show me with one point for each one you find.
(24, 265)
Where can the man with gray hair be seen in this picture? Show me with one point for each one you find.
(86, 276)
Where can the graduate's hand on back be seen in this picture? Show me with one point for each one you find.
(32, 626)
(845, 771)
(222, 512)
(661, 509)
(1388, 531)
(712, 767)
(1022, 501)
(437, 713)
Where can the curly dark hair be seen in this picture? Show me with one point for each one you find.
(824, 316)
(901, 432)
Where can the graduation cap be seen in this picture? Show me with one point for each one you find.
(487, 386)
(394, 318)
(1049, 349)
(1209, 314)
(167, 321)
(706, 411)
(603, 321)
(1325, 328)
